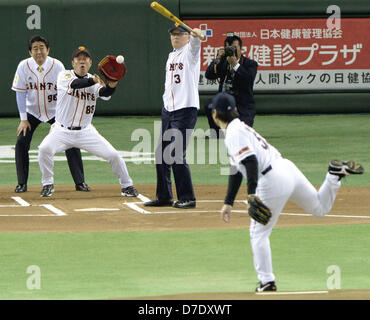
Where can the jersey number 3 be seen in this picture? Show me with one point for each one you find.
(263, 142)
(177, 78)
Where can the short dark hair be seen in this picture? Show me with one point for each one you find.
(229, 40)
(227, 116)
(37, 38)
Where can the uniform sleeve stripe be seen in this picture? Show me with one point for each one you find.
(15, 88)
(241, 151)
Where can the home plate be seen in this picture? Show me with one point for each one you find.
(96, 209)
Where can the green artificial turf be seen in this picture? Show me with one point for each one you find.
(134, 264)
(310, 141)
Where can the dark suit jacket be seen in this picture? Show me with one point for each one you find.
(243, 80)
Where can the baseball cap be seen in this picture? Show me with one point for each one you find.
(81, 49)
(223, 102)
(176, 26)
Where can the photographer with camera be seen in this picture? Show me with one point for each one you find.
(236, 74)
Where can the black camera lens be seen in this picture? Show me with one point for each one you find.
(230, 51)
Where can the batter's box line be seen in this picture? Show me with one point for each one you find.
(22, 203)
(134, 206)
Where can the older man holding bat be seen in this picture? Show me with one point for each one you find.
(179, 115)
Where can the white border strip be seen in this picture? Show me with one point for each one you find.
(22, 202)
(273, 293)
(51, 208)
(328, 215)
(10, 206)
(143, 198)
(135, 207)
(26, 215)
(96, 209)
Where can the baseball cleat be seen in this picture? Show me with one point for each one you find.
(20, 188)
(129, 192)
(158, 203)
(185, 204)
(344, 168)
(47, 190)
(82, 187)
(269, 286)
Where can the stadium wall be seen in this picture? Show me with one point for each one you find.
(131, 28)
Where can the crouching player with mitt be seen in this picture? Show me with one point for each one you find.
(271, 182)
(77, 94)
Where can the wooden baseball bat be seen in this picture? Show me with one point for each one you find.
(164, 12)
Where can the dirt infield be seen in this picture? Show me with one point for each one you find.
(104, 210)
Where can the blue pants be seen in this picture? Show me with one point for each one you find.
(176, 130)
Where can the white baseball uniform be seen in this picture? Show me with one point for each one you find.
(182, 77)
(73, 128)
(40, 84)
(282, 183)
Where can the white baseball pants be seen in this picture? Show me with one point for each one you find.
(286, 182)
(60, 139)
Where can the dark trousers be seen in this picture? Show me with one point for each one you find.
(245, 114)
(176, 130)
(22, 160)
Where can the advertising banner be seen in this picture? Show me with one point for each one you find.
(294, 54)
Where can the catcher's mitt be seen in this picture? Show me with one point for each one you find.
(110, 69)
(257, 210)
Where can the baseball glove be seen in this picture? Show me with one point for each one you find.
(257, 210)
(110, 69)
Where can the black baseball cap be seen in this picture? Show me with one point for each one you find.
(81, 49)
(223, 102)
(176, 26)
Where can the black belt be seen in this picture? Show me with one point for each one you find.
(72, 128)
(266, 170)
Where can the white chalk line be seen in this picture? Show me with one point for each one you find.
(135, 207)
(51, 208)
(143, 198)
(23, 203)
(290, 293)
(96, 209)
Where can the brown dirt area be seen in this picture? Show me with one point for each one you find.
(351, 202)
(351, 207)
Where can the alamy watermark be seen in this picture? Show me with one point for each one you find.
(334, 280)
(333, 22)
(34, 280)
(176, 146)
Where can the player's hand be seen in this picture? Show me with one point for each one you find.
(112, 84)
(198, 34)
(98, 80)
(226, 212)
(22, 128)
(233, 60)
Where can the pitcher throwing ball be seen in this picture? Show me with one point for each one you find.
(271, 181)
(76, 100)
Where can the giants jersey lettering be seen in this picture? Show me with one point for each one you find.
(243, 141)
(75, 107)
(40, 85)
(182, 77)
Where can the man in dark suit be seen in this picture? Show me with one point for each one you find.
(236, 74)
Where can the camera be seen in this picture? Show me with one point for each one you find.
(230, 51)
